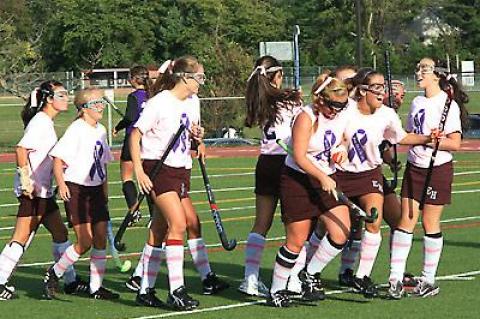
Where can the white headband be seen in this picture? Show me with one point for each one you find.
(33, 98)
(323, 86)
(264, 71)
(163, 68)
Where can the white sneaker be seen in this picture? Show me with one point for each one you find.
(253, 288)
(294, 285)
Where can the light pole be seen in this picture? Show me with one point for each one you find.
(358, 15)
(296, 56)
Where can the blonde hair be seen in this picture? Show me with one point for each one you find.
(84, 96)
(334, 87)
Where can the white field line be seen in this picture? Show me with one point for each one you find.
(446, 221)
(246, 304)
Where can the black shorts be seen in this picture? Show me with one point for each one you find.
(267, 174)
(36, 207)
(87, 204)
(125, 155)
(440, 188)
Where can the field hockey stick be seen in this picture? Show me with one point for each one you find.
(355, 209)
(227, 244)
(441, 127)
(394, 181)
(127, 264)
(133, 213)
(115, 108)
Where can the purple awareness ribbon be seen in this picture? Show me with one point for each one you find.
(359, 139)
(418, 120)
(97, 164)
(183, 140)
(329, 140)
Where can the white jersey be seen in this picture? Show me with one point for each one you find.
(282, 129)
(38, 139)
(326, 138)
(159, 122)
(85, 151)
(364, 134)
(425, 114)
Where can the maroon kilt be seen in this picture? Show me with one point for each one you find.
(87, 204)
(267, 174)
(169, 179)
(362, 183)
(36, 207)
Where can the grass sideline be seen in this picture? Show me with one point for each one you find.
(232, 184)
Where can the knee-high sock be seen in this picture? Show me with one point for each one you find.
(368, 253)
(300, 263)
(350, 255)
(284, 263)
(401, 244)
(432, 250)
(312, 247)
(253, 255)
(199, 256)
(9, 258)
(175, 254)
(69, 257)
(151, 266)
(57, 250)
(98, 262)
(327, 250)
(130, 192)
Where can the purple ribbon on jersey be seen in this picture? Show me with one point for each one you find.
(359, 139)
(183, 140)
(418, 120)
(97, 164)
(329, 140)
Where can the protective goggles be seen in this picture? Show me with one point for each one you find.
(60, 95)
(96, 105)
(374, 88)
(336, 106)
(200, 78)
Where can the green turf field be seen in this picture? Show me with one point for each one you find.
(11, 129)
(233, 180)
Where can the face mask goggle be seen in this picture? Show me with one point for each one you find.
(96, 105)
(337, 107)
(200, 78)
(60, 95)
(375, 88)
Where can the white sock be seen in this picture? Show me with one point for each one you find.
(432, 249)
(284, 263)
(9, 258)
(313, 243)
(324, 254)
(151, 266)
(349, 255)
(57, 251)
(199, 256)
(368, 253)
(300, 263)
(98, 262)
(174, 252)
(253, 255)
(69, 257)
(401, 244)
(139, 269)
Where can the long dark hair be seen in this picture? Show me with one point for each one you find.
(142, 77)
(262, 98)
(167, 80)
(44, 91)
(459, 95)
(362, 77)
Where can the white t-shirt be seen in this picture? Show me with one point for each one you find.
(282, 129)
(425, 114)
(38, 139)
(85, 151)
(160, 121)
(364, 134)
(326, 138)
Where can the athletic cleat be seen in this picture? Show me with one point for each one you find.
(104, 294)
(345, 279)
(149, 299)
(50, 284)
(212, 284)
(294, 285)
(133, 283)
(180, 300)
(7, 292)
(279, 299)
(312, 289)
(425, 289)
(254, 288)
(396, 290)
(410, 282)
(77, 287)
(365, 286)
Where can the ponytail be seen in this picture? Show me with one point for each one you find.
(37, 100)
(143, 78)
(170, 77)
